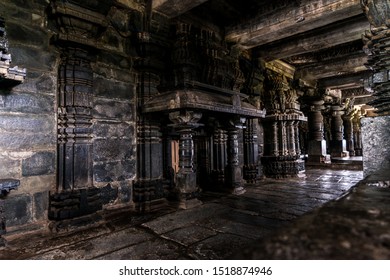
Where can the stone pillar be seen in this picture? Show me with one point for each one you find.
(338, 146)
(233, 174)
(149, 188)
(317, 144)
(219, 156)
(186, 185)
(357, 136)
(78, 31)
(251, 152)
(348, 129)
(75, 120)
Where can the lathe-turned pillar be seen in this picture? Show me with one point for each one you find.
(317, 144)
(186, 185)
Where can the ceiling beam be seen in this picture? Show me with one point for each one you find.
(332, 68)
(289, 21)
(336, 34)
(174, 8)
(345, 81)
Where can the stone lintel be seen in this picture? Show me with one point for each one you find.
(290, 21)
(174, 8)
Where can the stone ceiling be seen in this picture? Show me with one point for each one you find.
(322, 39)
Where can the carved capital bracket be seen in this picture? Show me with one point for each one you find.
(376, 41)
(76, 24)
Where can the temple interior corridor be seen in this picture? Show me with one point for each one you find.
(194, 129)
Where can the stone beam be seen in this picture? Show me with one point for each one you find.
(174, 8)
(330, 36)
(332, 68)
(345, 81)
(289, 21)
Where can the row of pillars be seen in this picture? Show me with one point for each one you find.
(185, 124)
(345, 134)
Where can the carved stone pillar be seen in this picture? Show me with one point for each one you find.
(357, 136)
(186, 185)
(377, 40)
(75, 120)
(219, 156)
(234, 178)
(251, 152)
(338, 146)
(317, 144)
(348, 129)
(281, 128)
(79, 27)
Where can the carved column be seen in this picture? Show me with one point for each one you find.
(348, 129)
(234, 179)
(219, 156)
(377, 40)
(79, 27)
(186, 185)
(338, 146)
(281, 128)
(75, 120)
(317, 144)
(357, 136)
(251, 152)
(150, 189)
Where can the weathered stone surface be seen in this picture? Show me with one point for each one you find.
(105, 108)
(27, 103)
(376, 147)
(113, 129)
(108, 194)
(113, 89)
(125, 191)
(25, 123)
(19, 33)
(9, 167)
(18, 209)
(114, 171)
(42, 60)
(11, 141)
(41, 163)
(113, 149)
(41, 205)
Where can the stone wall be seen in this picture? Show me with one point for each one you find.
(376, 147)
(28, 115)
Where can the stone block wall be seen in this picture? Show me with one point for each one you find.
(27, 114)
(114, 144)
(376, 144)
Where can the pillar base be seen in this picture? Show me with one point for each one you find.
(188, 190)
(275, 167)
(317, 153)
(234, 181)
(339, 148)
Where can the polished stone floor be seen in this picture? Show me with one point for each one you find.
(223, 227)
